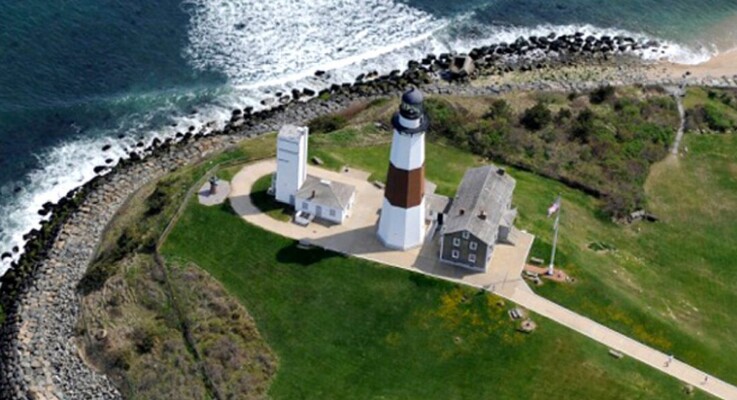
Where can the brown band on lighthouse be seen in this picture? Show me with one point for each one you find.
(405, 188)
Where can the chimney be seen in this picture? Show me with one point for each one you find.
(463, 211)
(482, 215)
(314, 193)
(500, 172)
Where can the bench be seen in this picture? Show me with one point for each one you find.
(515, 313)
(616, 354)
(530, 274)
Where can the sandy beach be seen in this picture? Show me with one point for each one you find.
(721, 65)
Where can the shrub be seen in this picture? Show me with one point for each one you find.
(715, 119)
(564, 115)
(601, 94)
(327, 123)
(143, 340)
(447, 120)
(156, 202)
(499, 109)
(536, 117)
(584, 126)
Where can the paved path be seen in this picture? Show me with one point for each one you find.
(621, 343)
(357, 237)
(677, 93)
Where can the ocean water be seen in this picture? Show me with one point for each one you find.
(77, 75)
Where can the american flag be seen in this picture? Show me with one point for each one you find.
(555, 207)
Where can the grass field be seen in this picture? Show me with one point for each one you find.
(667, 284)
(346, 328)
(343, 327)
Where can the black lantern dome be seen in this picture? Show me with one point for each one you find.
(411, 109)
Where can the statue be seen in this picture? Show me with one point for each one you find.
(213, 185)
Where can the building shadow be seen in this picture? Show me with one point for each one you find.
(257, 203)
(297, 254)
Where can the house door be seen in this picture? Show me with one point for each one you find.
(318, 211)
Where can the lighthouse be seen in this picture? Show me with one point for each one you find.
(402, 220)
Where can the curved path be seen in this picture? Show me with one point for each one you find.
(359, 239)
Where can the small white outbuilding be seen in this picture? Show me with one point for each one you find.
(323, 199)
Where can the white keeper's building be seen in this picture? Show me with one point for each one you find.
(324, 199)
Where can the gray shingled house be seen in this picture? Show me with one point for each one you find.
(480, 216)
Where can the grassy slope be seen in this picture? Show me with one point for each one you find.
(347, 328)
(666, 284)
(135, 307)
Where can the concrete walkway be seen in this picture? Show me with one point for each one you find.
(357, 237)
(621, 343)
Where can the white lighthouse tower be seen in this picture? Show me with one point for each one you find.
(402, 221)
(291, 160)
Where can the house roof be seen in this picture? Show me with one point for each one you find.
(437, 203)
(480, 205)
(326, 193)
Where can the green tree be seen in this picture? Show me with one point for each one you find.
(536, 117)
(601, 94)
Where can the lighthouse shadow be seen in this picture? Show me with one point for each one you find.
(359, 241)
(428, 262)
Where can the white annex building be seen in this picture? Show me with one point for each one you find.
(328, 200)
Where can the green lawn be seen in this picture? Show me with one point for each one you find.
(347, 328)
(668, 284)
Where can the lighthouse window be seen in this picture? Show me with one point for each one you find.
(305, 205)
(455, 254)
(456, 241)
(332, 212)
(472, 258)
(473, 245)
(465, 234)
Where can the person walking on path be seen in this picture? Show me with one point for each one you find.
(706, 379)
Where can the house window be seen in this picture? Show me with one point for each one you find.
(456, 241)
(473, 245)
(472, 258)
(465, 234)
(305, 205)
(332, 212)
(455, 254)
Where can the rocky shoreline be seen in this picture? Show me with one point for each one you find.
(38, 357)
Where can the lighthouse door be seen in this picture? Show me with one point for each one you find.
(318, 211)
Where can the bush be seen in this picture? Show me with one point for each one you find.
(716, 120)
(142, 340)
(584, 126)
(327, 123)
(156, 202)
(498, 110)
(601, 94)
(536, 117)
(447, 121)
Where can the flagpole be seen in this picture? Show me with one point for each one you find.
(551, 267)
